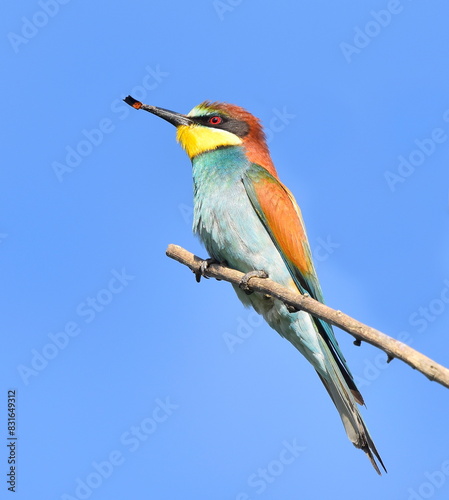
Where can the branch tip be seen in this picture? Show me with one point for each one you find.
(392, 347)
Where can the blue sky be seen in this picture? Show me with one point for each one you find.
(126, 385)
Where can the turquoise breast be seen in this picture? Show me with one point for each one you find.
(224, 218)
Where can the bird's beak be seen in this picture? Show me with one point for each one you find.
(172, 117)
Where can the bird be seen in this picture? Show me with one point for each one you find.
(248, 220)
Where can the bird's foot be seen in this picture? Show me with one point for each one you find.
(201, 271)
(252, 274)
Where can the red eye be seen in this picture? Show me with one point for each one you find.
(215, 120)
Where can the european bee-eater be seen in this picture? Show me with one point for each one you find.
(249, 220)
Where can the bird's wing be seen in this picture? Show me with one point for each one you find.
(281, 217)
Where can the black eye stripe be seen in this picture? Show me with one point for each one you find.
(237, 127)
(205, 120)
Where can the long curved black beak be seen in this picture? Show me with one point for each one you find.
(172, 117)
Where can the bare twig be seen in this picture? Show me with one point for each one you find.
(392, 347)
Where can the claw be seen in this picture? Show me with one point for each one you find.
(252, 274)
(203, 268)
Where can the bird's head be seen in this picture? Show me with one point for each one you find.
(212, 125)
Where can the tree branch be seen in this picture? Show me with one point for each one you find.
(392, 347)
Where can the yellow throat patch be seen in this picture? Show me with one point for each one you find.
(196, 139)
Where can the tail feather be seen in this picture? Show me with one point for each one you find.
(345, 402)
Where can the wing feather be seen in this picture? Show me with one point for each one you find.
(281, 217)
